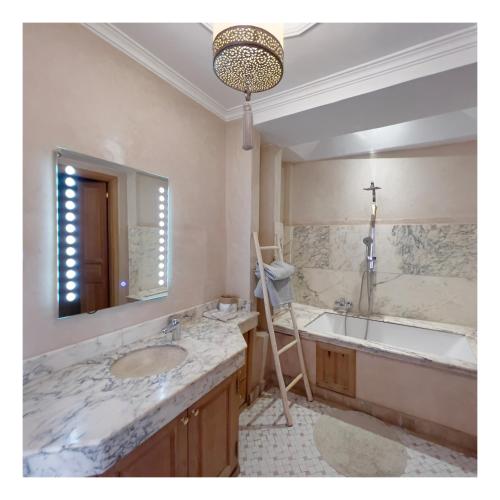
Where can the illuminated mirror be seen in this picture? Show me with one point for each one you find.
(112, 228)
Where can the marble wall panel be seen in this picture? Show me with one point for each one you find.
(432, 298)
(311, 246)
(143, 258)
(437, 249)
(424, 271)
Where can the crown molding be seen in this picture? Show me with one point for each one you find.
(290, 29)
(434, 56)
(121, 41)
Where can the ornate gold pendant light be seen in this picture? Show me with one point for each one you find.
(249, 59)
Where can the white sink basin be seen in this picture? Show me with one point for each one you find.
(148, 361)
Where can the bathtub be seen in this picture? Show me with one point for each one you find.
(434, 343)
(417, 374)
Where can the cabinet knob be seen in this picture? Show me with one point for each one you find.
(185, 420)
(195, 412)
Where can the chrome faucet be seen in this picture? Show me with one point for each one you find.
(342, 305)
(174, 328)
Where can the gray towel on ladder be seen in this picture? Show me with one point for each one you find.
(279, 285)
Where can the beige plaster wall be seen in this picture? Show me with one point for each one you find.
(270, 195)
(437, 184)
(242, 211)
(82, 94)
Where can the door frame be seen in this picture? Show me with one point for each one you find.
(113, 246)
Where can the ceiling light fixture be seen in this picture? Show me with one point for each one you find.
(248, 58)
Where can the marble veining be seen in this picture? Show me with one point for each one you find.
(79, 419)
(143, 259)
(305, 314)
(424, 271)
(437, 249)
(311, 246)
(47, 363)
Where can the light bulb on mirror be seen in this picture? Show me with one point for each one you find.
(71, 297)
(70, 285)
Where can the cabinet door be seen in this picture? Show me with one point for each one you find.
(336, 368)
(242, 377)
(213, 432)
(163, 455)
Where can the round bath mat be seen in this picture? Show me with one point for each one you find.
(356, 445)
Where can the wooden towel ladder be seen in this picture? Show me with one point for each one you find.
(272, 337)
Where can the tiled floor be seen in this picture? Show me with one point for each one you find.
(269, 448)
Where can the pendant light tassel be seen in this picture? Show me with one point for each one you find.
(247, 126)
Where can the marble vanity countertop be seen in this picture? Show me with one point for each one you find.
(79, 419)
(305, 314)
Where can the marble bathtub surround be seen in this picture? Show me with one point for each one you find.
(306, 314)
(311, 246)
(447, 250)
(67, 425)
(436, 249)
(424, 271)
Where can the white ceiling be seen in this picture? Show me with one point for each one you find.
(289, 29)
(324, 49)
(348, 88)
(355, 123)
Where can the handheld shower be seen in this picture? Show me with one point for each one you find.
(371, 259)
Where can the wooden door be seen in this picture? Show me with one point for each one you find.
(94, 267)
(213, 432)
(336, 368)
(163, 455)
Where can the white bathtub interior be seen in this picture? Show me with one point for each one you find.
(421, 340)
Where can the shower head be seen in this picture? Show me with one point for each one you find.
(372, 188)
(368, 241)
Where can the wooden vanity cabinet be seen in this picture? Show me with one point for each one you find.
(202, 441)
(213, 432)
(162, 455)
